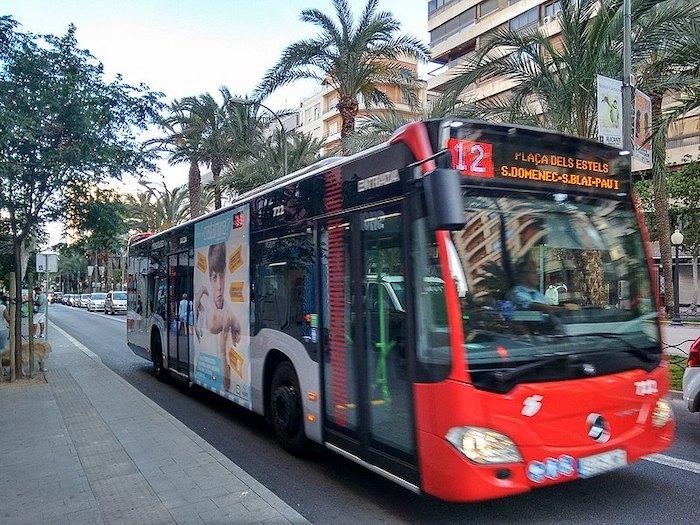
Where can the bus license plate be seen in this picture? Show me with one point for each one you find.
(594, 465)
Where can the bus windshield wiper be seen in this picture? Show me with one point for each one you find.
(508, 374)
(630, 347)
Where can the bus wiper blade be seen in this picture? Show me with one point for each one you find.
(507, 375)
(633, 349)
(630, 348)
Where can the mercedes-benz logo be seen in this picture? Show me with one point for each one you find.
(598, 428)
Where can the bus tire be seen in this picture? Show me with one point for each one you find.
(286, 410)
(157, 356)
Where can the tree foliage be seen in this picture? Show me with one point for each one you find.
(355, 56)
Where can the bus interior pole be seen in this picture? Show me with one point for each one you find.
(627, 88)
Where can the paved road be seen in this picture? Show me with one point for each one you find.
(327, 488)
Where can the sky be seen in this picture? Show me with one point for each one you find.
(189, 47)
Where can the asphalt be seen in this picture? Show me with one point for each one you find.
(326, 488)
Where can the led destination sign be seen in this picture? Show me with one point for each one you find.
(559, 169)
(583, 168)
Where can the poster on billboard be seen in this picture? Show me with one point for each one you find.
(610, 111)
(221, 304)
(642, 129)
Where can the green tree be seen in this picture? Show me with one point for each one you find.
(555, 84)
(354, 56)
(99, 218)
(61, 122)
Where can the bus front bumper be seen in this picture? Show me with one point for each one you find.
(449, 475)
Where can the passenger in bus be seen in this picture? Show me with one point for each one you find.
(185, 314)
(209, 304)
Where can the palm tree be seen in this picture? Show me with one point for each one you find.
(158, 208)
(267, 163)
(555, 84)
(183, 143)
(355, 57)
(378, 127)
(215, 142)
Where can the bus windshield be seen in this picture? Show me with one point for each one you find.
(553, 274)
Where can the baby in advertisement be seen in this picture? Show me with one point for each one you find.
(221, 311)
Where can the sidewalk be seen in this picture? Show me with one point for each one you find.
(87, 447)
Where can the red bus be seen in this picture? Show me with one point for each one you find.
(467, 309)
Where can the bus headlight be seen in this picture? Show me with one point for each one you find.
(662, 413)
(484, 446)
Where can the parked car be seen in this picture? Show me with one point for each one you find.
(84, 300)
(57, 297)
(97, 301)
(115, 302)
(691, 378)
(71, 299)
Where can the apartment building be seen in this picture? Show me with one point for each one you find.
(458, 27)
(319, 117)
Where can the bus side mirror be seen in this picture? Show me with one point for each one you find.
(443, 196)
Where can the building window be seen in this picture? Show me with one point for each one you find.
(489, 6)
(513, 2)
(307, 115)
(332, 103)
(333, 128)
(317, 111)
(434, 5)
(525, 20)
(453, 25)
(550, 10)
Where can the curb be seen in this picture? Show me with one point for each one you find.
(675, 394)
(261, 490)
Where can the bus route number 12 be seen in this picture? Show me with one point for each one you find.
(472, 159)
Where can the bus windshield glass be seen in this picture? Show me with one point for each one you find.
(553, 274)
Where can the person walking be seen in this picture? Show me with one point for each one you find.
(40, 305)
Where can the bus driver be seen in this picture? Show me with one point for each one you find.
(218, 318)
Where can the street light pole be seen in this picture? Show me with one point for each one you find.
(276, 116)
(677, 241)
(627, 88)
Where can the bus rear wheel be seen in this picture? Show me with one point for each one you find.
(285, 408)
(158, 369)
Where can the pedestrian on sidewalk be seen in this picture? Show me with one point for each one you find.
(4, 322)
(39, 312)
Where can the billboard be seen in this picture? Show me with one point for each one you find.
(642, 129)
(221, 352)
(609, 111)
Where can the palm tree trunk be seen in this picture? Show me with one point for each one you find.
(216, 167)
(663, 223)
(194, 185)
(347, 106)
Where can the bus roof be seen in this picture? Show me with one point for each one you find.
(301, 174)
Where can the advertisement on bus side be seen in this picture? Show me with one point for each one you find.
(221, 303)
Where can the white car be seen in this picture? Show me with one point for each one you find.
(691, 378)
(115, 302)
(84, 300)
(97, 301)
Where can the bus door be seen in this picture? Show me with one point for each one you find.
(368, 403)
(180, 319)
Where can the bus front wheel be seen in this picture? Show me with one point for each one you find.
(286, 410)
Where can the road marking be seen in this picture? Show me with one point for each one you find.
(669, 461)
(102, 316)
(84, 349)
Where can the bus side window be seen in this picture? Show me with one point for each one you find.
(433, 356)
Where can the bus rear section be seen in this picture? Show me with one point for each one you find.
(466, 310)
(554, 369)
